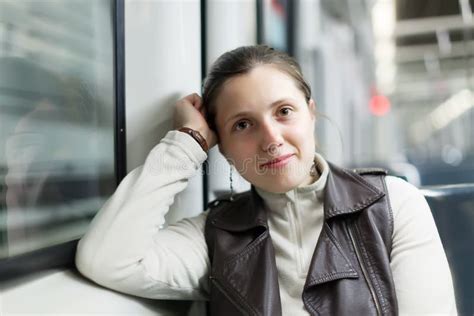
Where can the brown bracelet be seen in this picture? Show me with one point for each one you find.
(197, 136)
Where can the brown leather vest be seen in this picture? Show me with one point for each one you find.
(349, 272)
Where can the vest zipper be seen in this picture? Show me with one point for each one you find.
(296, 230)
(229, 297)
(364, 271)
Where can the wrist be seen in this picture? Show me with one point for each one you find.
(198, 137)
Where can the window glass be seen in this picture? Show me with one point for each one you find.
(56, 119)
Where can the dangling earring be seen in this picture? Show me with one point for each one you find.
(314, 172)
(231, 183)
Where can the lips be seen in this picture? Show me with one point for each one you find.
(278, 159)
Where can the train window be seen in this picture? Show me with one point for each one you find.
(57, 107)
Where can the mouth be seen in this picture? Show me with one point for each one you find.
(277, 161)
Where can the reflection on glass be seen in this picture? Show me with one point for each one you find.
(56, 120)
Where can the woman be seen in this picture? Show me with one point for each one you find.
(308, 238)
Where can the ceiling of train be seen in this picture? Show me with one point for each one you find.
(415, 9)
(429, 14)
(434, 47)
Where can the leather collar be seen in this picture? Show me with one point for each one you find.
(346, 192)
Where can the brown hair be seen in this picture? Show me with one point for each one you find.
(241, 61)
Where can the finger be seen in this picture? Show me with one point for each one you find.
(196, 100)
(191, 97)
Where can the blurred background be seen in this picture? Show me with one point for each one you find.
(393, 81)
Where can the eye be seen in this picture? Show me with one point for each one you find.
(241, 125)
(285, 111)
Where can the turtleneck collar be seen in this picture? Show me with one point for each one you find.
(315, 188)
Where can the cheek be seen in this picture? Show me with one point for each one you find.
(304, 134)
(241, 153)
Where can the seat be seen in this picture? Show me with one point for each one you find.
(452, 207)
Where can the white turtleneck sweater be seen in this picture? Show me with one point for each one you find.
(127, 250)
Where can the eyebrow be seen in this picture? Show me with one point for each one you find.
(273, 104)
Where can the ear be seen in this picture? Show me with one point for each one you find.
(312, 109)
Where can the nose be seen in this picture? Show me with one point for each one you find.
(271, 137)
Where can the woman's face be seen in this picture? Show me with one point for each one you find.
(262, 116)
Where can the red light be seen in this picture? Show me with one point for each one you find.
(279, 7)
(379, 105)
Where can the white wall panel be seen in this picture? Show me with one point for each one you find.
(230, 24)
(163, 63)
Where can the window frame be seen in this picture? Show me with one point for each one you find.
(62, 255)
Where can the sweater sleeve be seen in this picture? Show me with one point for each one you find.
(125, 248)
(420, 269)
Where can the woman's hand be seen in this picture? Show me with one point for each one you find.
(189, 112)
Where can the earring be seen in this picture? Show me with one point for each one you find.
(314, 169)
(231, 183)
